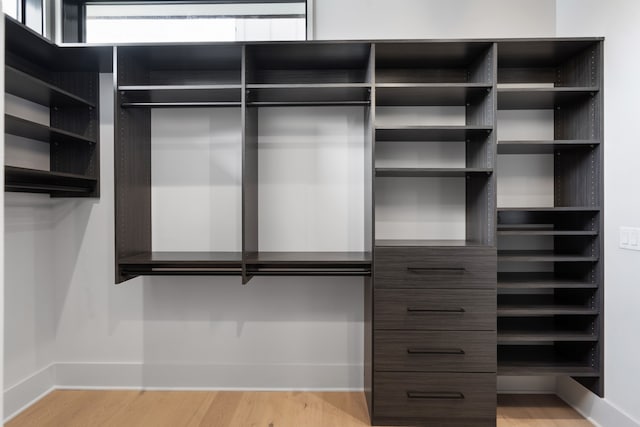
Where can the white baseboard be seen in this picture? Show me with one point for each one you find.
(20, 396)
(209, 377)
(600, 412)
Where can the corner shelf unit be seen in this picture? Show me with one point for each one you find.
(550, 301)
(64, 80)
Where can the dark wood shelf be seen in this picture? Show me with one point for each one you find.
(182, 263)
(548, 53)
(525, 336)
(312, 94)
(543, 256)
(26, 180)
(538, 230)
(546, 359)
(538, 368)
(27, 129)
(526, 280)
(516, 310)
(427, 243)
(431, 133)
(28, 87)
(552, 209)
(541, 98)
(309, 264)
(209, 95)
(179, 104)
(430, 94)
(543, 146)
(430, 172)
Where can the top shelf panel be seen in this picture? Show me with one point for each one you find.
(444, 62)
(426, 94)
(542, 98)
(429, 55)
(35, 90)
(541, 53)
(295, 63)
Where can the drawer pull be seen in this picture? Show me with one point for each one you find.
(434, 395)
(453, 270)
(435, 310)
(435, 351)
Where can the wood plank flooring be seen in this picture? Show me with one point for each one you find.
(72, 408)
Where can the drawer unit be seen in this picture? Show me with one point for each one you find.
(435, 309)
(434, 336)
(438, 399)
(435, 351)
(414, 267)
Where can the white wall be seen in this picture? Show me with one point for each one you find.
(617, 20)
(2, 224)
(213, 332)
(407, 19)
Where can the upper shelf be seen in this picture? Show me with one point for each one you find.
(543, 146)
(430, 172)
(205, 95)
(26, 180)
(552, 209)
(25, 86)
(28, 129)
(431, 133)
(308, 94)
(182, 263)
(542, 98)
(430, 94)
(541, 53)
(428, 243)
(309, 263)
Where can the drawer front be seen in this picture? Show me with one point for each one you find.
(435, 351)
(410, 267)
(435, 396)
(443, 309)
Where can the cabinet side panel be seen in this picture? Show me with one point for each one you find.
(132, 159)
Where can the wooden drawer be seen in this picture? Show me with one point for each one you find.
(415, 267)
(435, 351)
(435, 309)
(439, 399)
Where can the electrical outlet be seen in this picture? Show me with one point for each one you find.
(630, 238)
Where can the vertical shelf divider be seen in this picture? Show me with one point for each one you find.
(369, 231)
(249, 172)
(132, 158)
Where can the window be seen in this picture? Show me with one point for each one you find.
(118, 22)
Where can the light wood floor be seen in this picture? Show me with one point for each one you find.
(71, 408)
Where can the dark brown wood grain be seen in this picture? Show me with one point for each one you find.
(435, 351)
(435, 398)
(469, 267)
(435, 309)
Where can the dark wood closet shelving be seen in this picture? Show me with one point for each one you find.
(563, 75)
(432, 133)
(64, 80)
(554, 326)
(27, 129)
(543, 146)
(183, 263)
(542, 98)
(542, 256)
(430, 94)
(430, 172)
(26, 86)
(537, 280)
(25, 180)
